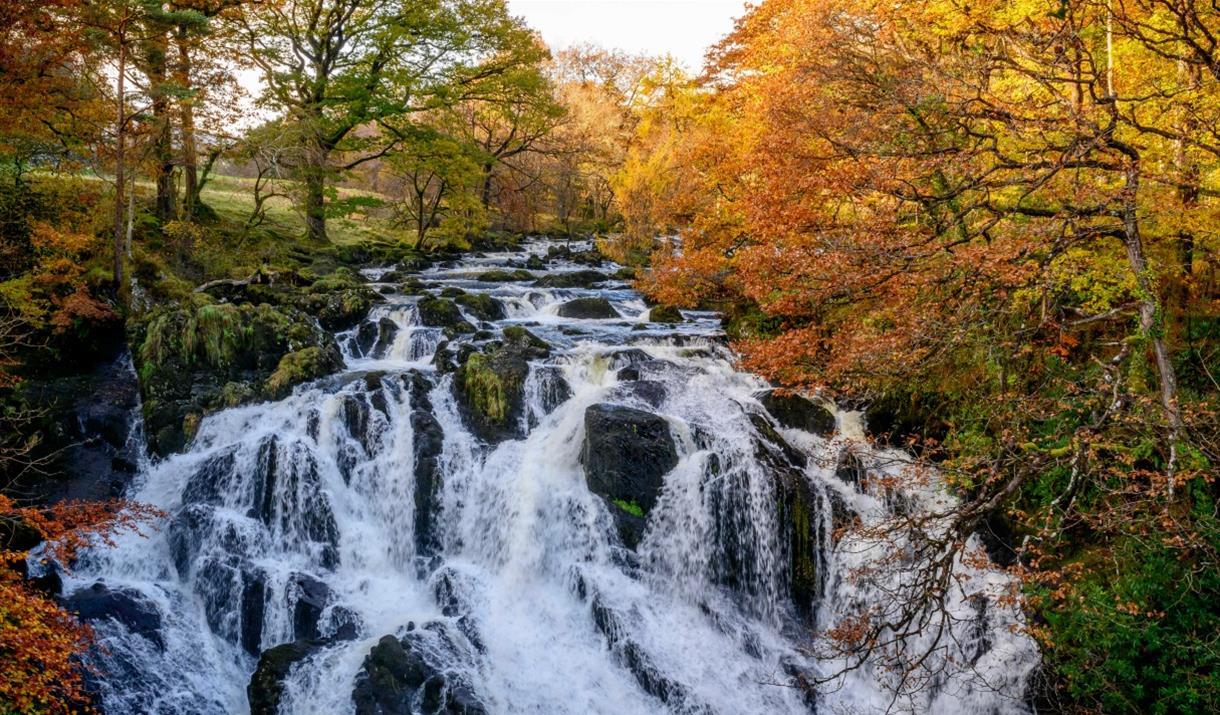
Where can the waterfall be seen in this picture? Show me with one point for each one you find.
(367, 546)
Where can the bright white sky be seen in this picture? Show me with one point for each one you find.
(682, 28)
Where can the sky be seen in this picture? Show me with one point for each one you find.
(682, 28)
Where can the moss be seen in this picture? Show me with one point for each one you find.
(665, 314)
(484, 389)
(481, 305)
(190, 425)
(235, 393)
(523, 338)
(297, 367)
(518, 275)
(631, 507)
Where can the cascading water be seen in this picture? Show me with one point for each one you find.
(369, 546)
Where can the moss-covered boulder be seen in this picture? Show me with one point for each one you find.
(572, 279)
(203, 356)
(588, 309)
(665, 314)
(490, 385)
(482, 306)
(518, 276)
(340, 309)
(441, 313)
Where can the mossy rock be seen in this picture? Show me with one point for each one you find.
(588, 309)
(490, 386)
(340, 309)
(482, 306)
(572, 279)
(200, 357)
(301, 366)
(517, 276)
(665, 314)
(440, 313)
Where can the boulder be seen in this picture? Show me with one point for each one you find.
(441, 313)
(588, 309)
(489, 385)
(626, 455)
(572, 279)
(516, 276)
(535, 263)
(339, 309)
(127, 606)
(796, 412)
(665, 314)
(482, 306)
(397, 680)
(194, 359)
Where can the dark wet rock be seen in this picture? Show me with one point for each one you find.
(309, 598)
(553, 389)
(851, 469)
(391, 276)
(126, 606)
(902, 420)
(572, 279)
(665, 314)
(429, 441)
(796, 412)
(650, 678)
(490, 385)
(535, 263)
(800, 510)
(626, 455)
(412, 286)
(627, 374)
(266, 686)
(397, 680)
(451, 292)
(482, 306)
(625, 274)
(373, 339)
(774, 448)
(193, 360)
(588, 309)
(517, 276)
(253, 612)
(648, 392)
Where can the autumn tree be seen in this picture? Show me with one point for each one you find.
(977, 216)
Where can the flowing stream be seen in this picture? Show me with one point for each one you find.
(365, 505)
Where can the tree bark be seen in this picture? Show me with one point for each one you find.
(119, 168)
(190, 155)
(315, 197)
(163, 144)
(1152, 327)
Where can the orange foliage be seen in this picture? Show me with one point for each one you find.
(40, 642)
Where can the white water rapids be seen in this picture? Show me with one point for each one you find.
(305, 520)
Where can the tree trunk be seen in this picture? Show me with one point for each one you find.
(1152, 326)
(315, 197)
(163, 144)
(119, 178)
(190, 155)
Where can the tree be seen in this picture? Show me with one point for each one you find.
(351, 72)
(975, 215)
(433, 178)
